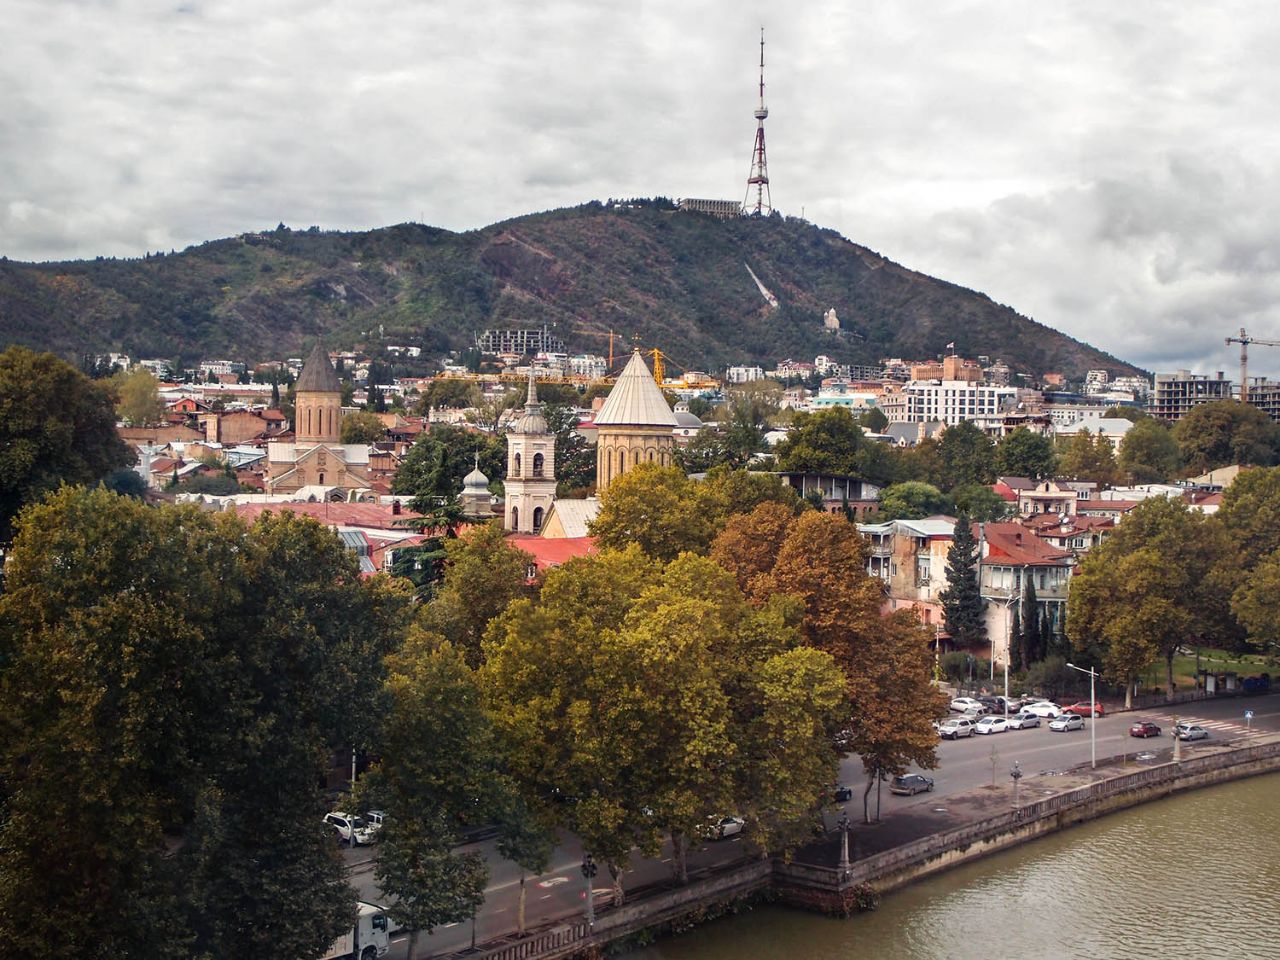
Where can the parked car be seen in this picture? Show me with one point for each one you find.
(375, 819)
(991, 704)
(955, 728)
(1010, 704)
(1066, 721)
(1086, 709)
(841, 794)
(1023, 719)
(963, 704)
(910, 784)
(723, 827)
(1044, 709)
(1144, 728)
(344, 823)
(992, 724)
(1190, 731)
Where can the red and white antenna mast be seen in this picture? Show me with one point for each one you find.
(758, 179)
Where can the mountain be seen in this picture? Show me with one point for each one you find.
(676, 280)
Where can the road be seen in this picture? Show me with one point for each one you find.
(962, 766)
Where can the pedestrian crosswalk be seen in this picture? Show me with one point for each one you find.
(1221, 728)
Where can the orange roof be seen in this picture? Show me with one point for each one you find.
(550, 552)
(375, 516)
(1014, 544)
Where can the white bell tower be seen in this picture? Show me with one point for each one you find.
(531, 468)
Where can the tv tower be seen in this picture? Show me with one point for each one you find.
(759, 176)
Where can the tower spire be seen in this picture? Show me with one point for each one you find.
(758, 178)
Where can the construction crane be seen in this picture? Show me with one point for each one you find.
(659, 372)
(1244, 340)
(611, 335)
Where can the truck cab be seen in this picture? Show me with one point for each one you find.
(368, 939)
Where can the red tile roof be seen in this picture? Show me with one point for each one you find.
(374, 516)
(550, 552)
(1012, 543)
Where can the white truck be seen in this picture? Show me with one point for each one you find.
(367, 940)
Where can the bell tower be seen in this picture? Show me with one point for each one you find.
(531, 468)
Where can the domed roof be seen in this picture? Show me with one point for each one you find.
(531, 422)
(689, 421)
(636, 400)
(318, 375)
(475, 481)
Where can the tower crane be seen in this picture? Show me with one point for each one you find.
(1244, 340)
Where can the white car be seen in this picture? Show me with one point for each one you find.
(1067, 721)
(966, 705)
(1043, 708)
(724, 827)
(344, 823)
(1020, 721)
(1190, 731)
(991, 724)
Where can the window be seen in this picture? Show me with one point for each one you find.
(517, 462)
(321, 480)
(537, 472)
(622, 461)
(515, 518)
(537, 518)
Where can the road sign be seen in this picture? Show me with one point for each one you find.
(1248, 714)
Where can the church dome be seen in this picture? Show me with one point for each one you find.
(636, 400)
(688, 421)
(318, 375)
(475, 481)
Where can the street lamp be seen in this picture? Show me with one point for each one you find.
(843, 827)
(1093, 714)
(1016, 774)
(589, 869)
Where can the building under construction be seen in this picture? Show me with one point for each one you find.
(520, 341)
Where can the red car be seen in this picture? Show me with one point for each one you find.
(1086, 709)
(1144, 728)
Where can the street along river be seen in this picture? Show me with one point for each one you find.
(1194, 876)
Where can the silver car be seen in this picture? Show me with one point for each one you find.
(955, 728)
(1190, 731)
(1020, 721)
(1067, 721)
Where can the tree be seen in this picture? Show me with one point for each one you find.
(962, 604)
(575, 458)
(1250, 515)
(1256, 603)
(488, 411)
(1018, 643)
(1125, 412)
(830, 441)
(967, 455)
(362, 426)
(1224, 433)
(1086, 456)
(707, 449)
(873, 420)
(139, 401)
(56, 426)
(450, 393)
(433, 468)
(1148, 452)
(912, 500)
(748, 546)
(980, 503)
(1025, 454)
(1032, 638)
(482, 575)
(1149, 588)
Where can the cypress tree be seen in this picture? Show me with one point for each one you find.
(1035, 641)
(961, 599)
(1017, 643)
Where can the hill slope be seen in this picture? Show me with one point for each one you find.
(676, 280)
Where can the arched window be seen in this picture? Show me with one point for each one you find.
(651, 456)
(515, 518)
(321, 480)
(637, 457)
(517, 462)
(537, 472)
(622, 461)
(537, 518)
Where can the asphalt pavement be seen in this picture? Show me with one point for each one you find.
(963, 765)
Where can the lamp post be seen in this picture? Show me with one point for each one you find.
(589, 869)
(1093, 710)
(843, 827)
(1016, 774)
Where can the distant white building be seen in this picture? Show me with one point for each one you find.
(160, 369)
(587, 365)
(830, 321)
(948, 401)
(743, 374)
(1113, 428)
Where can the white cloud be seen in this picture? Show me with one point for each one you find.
(1105, 168)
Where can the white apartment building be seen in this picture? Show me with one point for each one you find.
(743, 374)
(587, 365)
(949, 401)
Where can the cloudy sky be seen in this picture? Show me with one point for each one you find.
(1108, 168)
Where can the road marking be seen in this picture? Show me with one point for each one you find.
(545, 896)
(552, 882)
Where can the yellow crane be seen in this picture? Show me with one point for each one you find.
(1244, 340)
(659, 373)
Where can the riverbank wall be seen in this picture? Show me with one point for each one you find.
(842, 890)
(817, 880)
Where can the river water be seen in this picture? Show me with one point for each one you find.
(1195, 876)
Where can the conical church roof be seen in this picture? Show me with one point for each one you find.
(318, 375)
(635, 400)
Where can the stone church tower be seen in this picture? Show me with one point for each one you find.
(317, 416)
(531, 468)
(634, 426)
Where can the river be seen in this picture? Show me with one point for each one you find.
(1195, 876)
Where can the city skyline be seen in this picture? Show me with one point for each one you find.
(1105, 172)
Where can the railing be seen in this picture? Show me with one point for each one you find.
(544, 943)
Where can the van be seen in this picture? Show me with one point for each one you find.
(956, 727)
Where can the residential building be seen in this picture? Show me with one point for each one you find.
(838, 491)
(1048, 496)
(1011, 557)
(743, 374)
(950, 401)
(1113, 429)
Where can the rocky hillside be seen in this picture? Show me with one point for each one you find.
(679, 281)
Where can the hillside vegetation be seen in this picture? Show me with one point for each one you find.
(674, 280)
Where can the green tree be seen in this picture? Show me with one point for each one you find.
(1032, 638)
(1018, 643)
(363, 426)
(482, 575)
(1148, 452)
(1255, 603)
(967, 455)
(912, 500)
(962, 604)
(873, 420)
(139, 401)
(1224, 433)
(980, 503)
(56, 426)
(1125, 412)
(1086, 456)
(830, 441)
(1025, 454)
(575, 458)
(433, 468)
(707, 449)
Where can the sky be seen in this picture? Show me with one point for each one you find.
(1109, 169)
